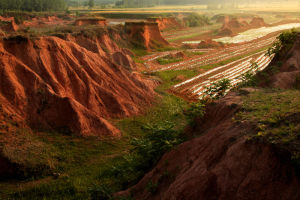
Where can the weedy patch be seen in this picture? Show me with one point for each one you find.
(277, 115)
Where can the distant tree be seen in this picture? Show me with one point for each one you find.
(91, 3)
(33, 5)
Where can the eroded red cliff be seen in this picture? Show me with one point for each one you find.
(145, 34)
(69, 85)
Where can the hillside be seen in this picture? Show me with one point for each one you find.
(245, 147)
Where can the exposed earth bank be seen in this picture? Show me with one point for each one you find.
(72, 85)
(221, 163)
(286, 68)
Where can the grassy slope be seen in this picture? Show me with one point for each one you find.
(276, 114)
(82, 162)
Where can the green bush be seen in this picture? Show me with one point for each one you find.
(249, 78)
(283, 44)
(196, 109)
(145, 153)
(218, 89)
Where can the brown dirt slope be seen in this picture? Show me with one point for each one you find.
(288, 75)
(166, 23)
(220, 164)
(90, 21)
(232, 26)
(145, 34)
(53, 83)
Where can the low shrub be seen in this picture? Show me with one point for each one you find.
(145, 153)
(218, 89)
(283, 44)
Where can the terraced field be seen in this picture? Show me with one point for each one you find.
(197, 87)
(189, 33)
(210, 56)
(241, 58)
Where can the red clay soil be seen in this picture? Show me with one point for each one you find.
(220, 164)
(146, 34)
(289, 72)
(209, 43)
(2, 34)
(166, 23)
(10, 25)
(40, 21)
(7, 19)
(232, 26)
(52, 83)
(90, 21)
(258, 22)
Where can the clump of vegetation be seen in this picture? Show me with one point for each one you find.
(276, 114)
(33, 5)
(194, 20)
(249, 78)
(196, 109)
(145, 153)
(283, 44)
(29, 156)
(168, 59)
(218, 89)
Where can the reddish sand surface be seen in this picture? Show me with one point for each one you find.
(71, 85)
(220, 164)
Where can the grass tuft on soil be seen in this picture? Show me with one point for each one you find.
(90, 168)
(276, 114)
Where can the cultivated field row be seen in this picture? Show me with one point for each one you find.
(197, 87)
(211, 56)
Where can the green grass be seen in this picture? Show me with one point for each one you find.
(276, 114)
(168, 60)
(169, 77)
(83, 164)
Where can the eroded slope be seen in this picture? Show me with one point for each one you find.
(53, 83)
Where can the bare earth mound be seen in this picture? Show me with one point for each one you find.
(288, 75)
(52, 83)
(166, 23)
(90, 21)
(258, 22)
(220, 164)
(145, 34)
(232, 26)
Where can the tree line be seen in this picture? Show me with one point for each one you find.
(33, 5)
